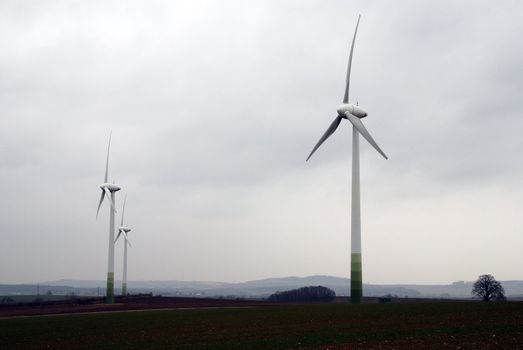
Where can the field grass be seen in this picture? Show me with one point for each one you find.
(333, 326)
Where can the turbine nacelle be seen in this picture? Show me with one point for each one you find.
(352, 109)
(124, 229)
(111, 187)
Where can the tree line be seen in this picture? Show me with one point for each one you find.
(318, 293)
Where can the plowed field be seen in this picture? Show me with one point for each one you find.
(453, 325)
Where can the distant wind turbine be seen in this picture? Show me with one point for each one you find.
(124, 230)
(108, 190)
(353, 113)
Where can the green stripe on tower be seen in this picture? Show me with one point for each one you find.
(356, 285)
(109, 298)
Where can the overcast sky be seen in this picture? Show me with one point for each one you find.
(214, 106)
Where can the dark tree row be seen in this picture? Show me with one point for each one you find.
(318, 293)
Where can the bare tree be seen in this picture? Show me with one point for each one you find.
(487, 288)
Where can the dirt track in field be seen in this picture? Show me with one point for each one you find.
(125, 304)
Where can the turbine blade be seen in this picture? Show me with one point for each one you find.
(326, 135)
(127, 239)
(346, 95)
(123, 209)
(107, 161)
(100, 203)
(108, 193)
(118, 236)
(363, 131)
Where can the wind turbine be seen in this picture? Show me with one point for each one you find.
(108, 190)
(354, 114)
(124, 230)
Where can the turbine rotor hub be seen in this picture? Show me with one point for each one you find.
(352, 109)
(111, 187)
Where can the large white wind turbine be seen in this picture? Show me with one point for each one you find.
(124, 231)
(353, 114)
(108, 190)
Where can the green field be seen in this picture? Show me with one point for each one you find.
(416, 325)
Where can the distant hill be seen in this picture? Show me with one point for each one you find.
(255, 289)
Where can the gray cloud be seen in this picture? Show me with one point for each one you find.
(214, 107)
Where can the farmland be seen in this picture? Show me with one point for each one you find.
(320, 326)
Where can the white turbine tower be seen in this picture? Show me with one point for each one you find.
(353, 114)
(124, 230)
(108, 190)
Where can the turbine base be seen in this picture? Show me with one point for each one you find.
(356, 283)
(109, 296)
